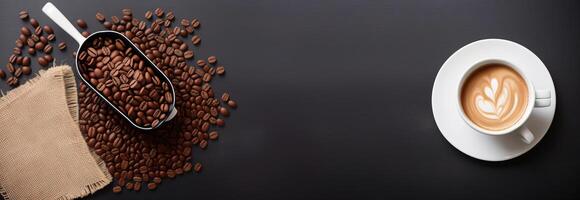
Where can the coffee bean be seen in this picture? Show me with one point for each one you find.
(108, 25)
(185, 22)
(220, 70)
(137, 186)
(92, 52)
(47, 29)
(19, 60)
(34, 23)
(44, 40)
(117, 189)
(2, 74)
(170, 16)
(220, 122)
(31, 51)
(62, 46)
(39, 46)
(12, 81)
(43, 62)
(10, 68)
(85, 34)
(159, 12)
(23, 14)
(212, 60)
(188, 54)
(50, 37)
(224, 112)
(148, 15)
(35, 38)
(12, 58)
(197, 167)
(100, 17)
(195, 40)
(47, 49)
(213, 135)
(232, 104)
(187, 167)
(25, 60)
(30, 42)
(171, 173)
(22, 38)
(225, 97)
(38, 31)
(25, 31)
(151, 186)
(82, 24)
(127, 12)
(19, 43)
(155, 123)
(157, 180)
(189, 30)
(129, 186)
(18, 72)
(26, 70)
(195, 23)
(16, 51)
(203, 144)
(48, 57)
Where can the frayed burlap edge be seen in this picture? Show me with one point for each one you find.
(69, 81)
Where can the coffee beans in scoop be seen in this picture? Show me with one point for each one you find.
(124, 78)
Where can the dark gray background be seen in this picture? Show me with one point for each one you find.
(335, 97)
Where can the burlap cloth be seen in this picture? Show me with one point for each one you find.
(42, 152)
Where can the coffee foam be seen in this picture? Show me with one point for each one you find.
(494, 97)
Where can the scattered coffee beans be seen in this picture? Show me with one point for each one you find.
(100, 17)
(232, 104)
(23, 14)
(197, 167)
(117, 189)
(151, 186)
(220, 70)
(144, 158)
(62, 46)
(212, 60)
(82, 24)
(34, 22)
(148, 15)
(32, 39)
(195, 40)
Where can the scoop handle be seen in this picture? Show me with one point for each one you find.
(53, 13)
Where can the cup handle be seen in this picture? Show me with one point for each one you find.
(543, 98)
(527, 135)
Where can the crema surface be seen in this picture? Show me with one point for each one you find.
(494, 97)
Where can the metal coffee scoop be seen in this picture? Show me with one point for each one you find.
(56, 16)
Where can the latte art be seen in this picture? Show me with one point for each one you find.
(494, 97)
(497, 101)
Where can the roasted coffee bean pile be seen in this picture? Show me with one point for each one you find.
(126, 80)
(143, 158)
(32, 39)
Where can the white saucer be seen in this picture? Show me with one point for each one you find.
(444, 101)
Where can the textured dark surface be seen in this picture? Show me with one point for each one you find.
(335, 97)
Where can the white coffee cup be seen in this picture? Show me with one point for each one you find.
(536, 99)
